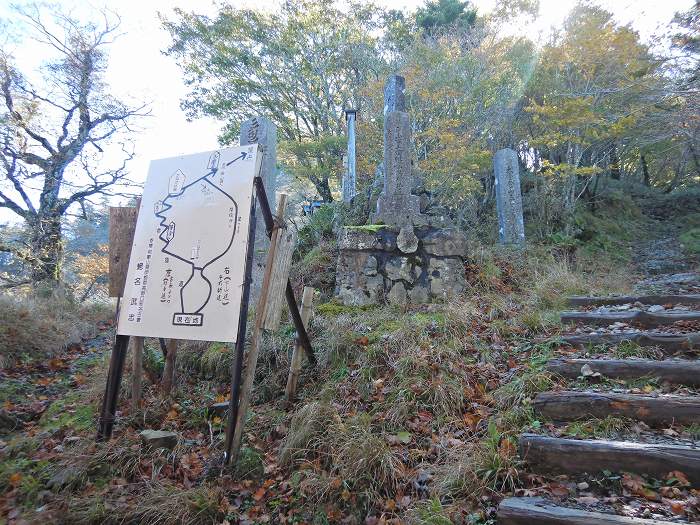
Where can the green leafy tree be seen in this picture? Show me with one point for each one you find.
(300, 67)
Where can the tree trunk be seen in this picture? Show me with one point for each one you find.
(645, 171)
(47, 248)
(614, 163)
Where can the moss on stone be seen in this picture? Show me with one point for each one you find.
(374, 228)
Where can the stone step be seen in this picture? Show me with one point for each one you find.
(689, 299)
(572, 456)
(529, 511)
(669, 343)
(646, 319)
(655, 411)
(675, 371)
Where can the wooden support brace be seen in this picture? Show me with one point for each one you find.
(169, 370)
(298, 353)
(252, 361)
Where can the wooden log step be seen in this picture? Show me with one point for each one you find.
(646, 319)
(676, 371)
(667, 342)
(529, 511)
(573, 456)
(655, 411)
(689, 299)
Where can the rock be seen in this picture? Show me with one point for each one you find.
(397, 294)
(582, 486)
(407, 241)
(418, 295)
(362, 292)
(655, 308)
(446, 277)
(370, 268)
(445, 243)
(400, 268)
(159, 438)
(64, 477)
(8, 422)
(218, 409)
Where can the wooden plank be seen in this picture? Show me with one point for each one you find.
(667, 342)
(290, 391)
(646, 319)
(122, 223)
(529, 511)
(286, 240)
(571, 456)
(252, 361)
(136, 371)
(655, 411)
(689, 299)
(675, 371)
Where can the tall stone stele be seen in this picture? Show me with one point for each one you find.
(402, 258)
(509, 201)
(260, 130)
(396, 205)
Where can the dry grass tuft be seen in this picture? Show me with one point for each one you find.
(32, 327)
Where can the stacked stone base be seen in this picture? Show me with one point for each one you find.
(382, 264)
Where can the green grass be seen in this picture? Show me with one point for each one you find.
(690, 240)
(70, 412)
(607, 427)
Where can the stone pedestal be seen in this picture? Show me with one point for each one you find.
(384, 264)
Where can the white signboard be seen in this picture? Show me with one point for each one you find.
(187, 265)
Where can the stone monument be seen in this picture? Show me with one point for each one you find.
(349, 184)
(509, 200)
(404, 257)
(260, 130)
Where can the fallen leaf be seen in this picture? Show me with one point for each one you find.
(677, 475)
(259, 494)
(678, 508)
(390, 505)
(16, 479)
(217, 420)
(404, 437)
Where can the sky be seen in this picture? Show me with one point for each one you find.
(139, 71)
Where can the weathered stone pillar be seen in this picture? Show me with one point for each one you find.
(395, 94)
(509, 201)
(396, 205)
(349, 177)
(259, 130)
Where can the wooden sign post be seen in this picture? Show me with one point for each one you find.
(197, 315)
(122, 224)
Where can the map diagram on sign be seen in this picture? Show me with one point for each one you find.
(188, 258)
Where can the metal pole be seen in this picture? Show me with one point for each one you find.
(349, 182)
(114, 378)
(289, 292)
